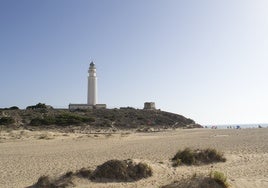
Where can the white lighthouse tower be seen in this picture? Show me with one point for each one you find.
(92, 95)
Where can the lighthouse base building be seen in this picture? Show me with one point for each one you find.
(73, 107)
(92, 92)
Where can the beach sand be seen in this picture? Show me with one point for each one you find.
(27, 155)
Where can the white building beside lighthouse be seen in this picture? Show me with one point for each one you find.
(92, 93)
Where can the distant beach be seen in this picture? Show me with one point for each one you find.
(26, 155)
(235, 126)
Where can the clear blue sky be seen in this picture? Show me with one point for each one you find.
(206, 60)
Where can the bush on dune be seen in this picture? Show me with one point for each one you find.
(125, 170)
(196, 157)
(63, 181)
(210, 155)
(214, 180)
(113, 170)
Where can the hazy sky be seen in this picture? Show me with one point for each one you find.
(206, 60)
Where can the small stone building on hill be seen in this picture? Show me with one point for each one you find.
(149, 106)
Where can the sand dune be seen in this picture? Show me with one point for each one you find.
(27, 155)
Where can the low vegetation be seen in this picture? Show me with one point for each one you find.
(37, 106)
(125, 118)
(6, 121)
(196, 157)
(84, 173)
(220, 178)
(113, 170)
(48, 182)
(62, 119)
(126, 170)
(10, 108)
(63, 181)
(214, 180)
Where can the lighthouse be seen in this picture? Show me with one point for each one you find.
(92, 94)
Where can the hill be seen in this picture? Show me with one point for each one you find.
(126, 118)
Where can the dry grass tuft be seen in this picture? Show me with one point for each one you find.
(214, 180)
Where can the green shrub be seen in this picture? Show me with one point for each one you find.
(186, 156)
(220, 178)
(13, 108)
(6, 120)
(195, 157)
(37, 106)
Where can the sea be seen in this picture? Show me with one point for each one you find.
(238, 126)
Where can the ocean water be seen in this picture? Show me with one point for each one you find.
(242, 126)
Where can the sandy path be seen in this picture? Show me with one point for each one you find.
(23, 161)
